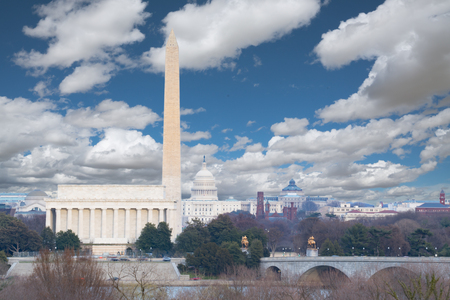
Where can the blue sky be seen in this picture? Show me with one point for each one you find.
(350, 98)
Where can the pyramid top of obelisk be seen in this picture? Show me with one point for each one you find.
(172, 40)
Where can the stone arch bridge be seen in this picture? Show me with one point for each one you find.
(351, 265)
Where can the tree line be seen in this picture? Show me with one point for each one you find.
(209, 248)
(406, 234)
(15, 236)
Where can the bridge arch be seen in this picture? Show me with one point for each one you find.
(274, 272)
(393, 274)
(323, 275)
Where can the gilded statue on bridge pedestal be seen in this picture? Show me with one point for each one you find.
(311, 243)
(244, 242)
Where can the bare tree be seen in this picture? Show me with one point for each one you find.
(139, 280)
(274, 237)
(62, 277)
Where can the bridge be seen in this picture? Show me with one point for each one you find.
(351, 265)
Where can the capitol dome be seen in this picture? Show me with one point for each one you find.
(204, 187)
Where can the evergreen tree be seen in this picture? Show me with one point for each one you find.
(209, 259)
(16, 237)
(256, 233)
(163, 237)
(48, 238)
(445, 251)
(67, 240)
(256, 252)
(327, 248)
(222, 230)
(355, 240)
(147, 239)
(192, 237)
(376, 235)
(419, 244)
(338, 249)
(236, 253)
(3, 258)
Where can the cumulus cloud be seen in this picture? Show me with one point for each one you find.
(226, 130)
(242, 141)
(45, 148)
(110, 113)
(402, 190)
(123, 149)
(27, 124)
(85, 77)
(250, 123)
(290, 126)
(258, 147)
(191, 111)
(408, 41)
(214, 33)
(86, 32)
(41, 89)
(194, 136)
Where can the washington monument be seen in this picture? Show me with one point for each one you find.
(171, 170)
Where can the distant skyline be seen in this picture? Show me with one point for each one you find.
(349, 98)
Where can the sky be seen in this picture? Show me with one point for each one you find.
(349, 98)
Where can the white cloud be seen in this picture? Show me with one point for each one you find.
(194, 136)
(257, 61)
(85, 77)
(123, 149)
(290, 126)
(86, 32)
(258, 147)
(402, 190)
(41, 89)
(27, 124)
(250, 123)
(226, 130)
(409, 42)
(242, 141)
(191, 111)
(110, 113)
(214, 33)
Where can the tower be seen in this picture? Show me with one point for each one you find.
(442, 197)
(267, 210)
(260, 205)
(171, 169)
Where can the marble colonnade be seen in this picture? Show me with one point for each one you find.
(116, 215)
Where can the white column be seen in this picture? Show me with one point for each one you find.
(116, 223)
(138, 222)
(103, 222)
(168, 220)
(127, 223)
(92, 225)
(161, 216)
(80, 223)
(58, 220)
(48, 218)
(69, 218)
(150, 215)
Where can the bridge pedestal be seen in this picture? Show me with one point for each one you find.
(312, 252)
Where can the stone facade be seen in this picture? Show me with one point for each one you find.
(108, 214)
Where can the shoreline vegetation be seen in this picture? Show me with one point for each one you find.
(61, 276)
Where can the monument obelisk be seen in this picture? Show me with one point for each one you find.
(171, 170)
